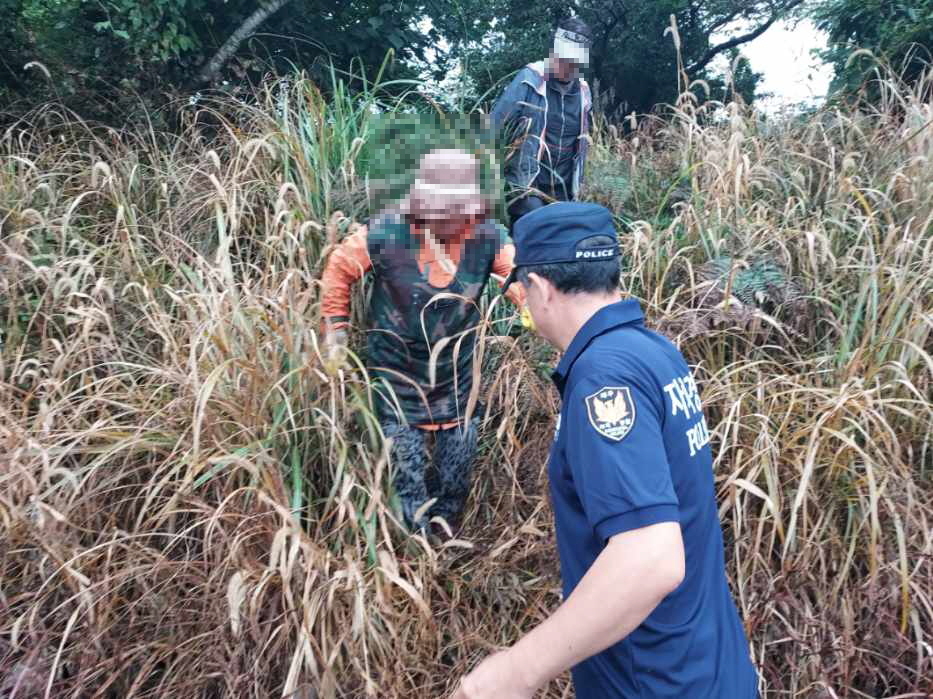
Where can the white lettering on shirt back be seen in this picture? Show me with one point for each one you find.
(685, 399)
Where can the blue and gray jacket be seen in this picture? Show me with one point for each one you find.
(520, 117)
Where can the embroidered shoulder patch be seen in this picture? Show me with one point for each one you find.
(611, 411)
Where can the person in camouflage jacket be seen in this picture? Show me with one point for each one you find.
(430, 260)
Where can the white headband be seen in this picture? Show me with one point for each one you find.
(446, 190)
(571, 46)
(572, 36)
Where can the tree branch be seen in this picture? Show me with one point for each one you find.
(714, 51)
(724, 21)
(225, 53)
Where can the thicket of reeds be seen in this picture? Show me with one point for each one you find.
(190, 506)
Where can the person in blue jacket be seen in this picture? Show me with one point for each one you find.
(647, 609)
(543, 118)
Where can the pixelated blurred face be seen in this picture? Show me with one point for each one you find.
(569, 52)
(447, 187)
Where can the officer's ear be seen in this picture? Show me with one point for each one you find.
(543, 289)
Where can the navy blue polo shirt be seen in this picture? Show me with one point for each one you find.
(632, 450)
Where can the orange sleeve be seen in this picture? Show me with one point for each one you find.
(348, 262)
(502, 266)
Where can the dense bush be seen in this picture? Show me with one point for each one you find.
(191, 507)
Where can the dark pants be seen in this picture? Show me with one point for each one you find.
(529, 203)
(452, 457)
(523, 206)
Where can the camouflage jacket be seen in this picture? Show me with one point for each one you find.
(409, 319)
(415, 308)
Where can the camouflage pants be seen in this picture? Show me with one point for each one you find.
(453, 452)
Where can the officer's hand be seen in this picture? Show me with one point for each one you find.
(335, 351)
(496, 677)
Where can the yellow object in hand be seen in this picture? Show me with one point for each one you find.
(527, 321)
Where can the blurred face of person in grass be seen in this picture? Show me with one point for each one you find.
(445, 195)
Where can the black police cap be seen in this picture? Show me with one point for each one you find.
(554, 234)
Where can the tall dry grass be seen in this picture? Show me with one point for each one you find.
(192, 507)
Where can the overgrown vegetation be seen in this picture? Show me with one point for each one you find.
(192, 507)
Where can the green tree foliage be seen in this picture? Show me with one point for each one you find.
(898, 30)
(102, 52)
(633, 61)
(11, 49)
(101, 56)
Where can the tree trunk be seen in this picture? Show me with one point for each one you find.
(225, 53)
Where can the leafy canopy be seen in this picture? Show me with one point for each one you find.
(899, 31)
(98, 53)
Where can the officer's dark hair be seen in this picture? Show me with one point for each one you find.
(575, 25)
(581, 277)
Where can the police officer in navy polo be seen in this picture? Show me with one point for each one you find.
(647, 609)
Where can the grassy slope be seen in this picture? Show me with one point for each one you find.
(190, 506)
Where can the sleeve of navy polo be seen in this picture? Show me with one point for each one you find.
(623, 483)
